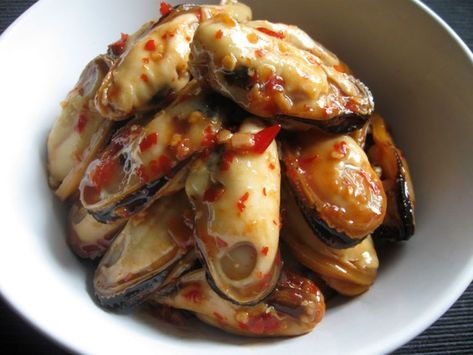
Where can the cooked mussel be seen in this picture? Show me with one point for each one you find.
(142, 162)
(236, 197)
(399, 223)
(142, 257)
(293, 308)
(271, 78)
(153, 65)
(339, 193)
(87, 237)
(79, 133)
(300, 39)
(349, 271)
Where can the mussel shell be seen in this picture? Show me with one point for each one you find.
(295, 306)
(145, 254)
(236, 197)
(338, 192)
(399, 223)
(271, 78)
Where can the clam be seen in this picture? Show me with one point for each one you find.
(339, 193)
(87, 237)
(399, 223)
(144, 162)
(79, 133)
(294, 307)
(271, 78)
(153, 65)
(236, 197)
(146, 253)
(349, 271)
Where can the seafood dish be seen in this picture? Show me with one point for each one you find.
(229, 169)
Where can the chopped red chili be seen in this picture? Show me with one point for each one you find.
(209, 137)
(219, 317)
(341, 147)
(150, 45)
(103, 173)
(351, 105)
(264, 191)
(194, 294)
(227, 160)
(144, 77)
(269, 32)
(259, 53)
(264, 251)
(81, 123)
(272, 166)
(164, 8)
(148, 141)
(145, 60)
(221, 243)
(241, 202)
(340, 68)
(218, 34)
(214, 192)
(264, 138)
(119, 46)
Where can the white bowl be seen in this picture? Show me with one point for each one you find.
(421, 75)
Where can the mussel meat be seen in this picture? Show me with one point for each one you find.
(339, 193)
(143, 256)
(79, 133)
(349, 271)
(142, 161)
(236, 197)
(295, 306)
(271, 78)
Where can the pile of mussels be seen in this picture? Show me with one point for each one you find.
(170, 149)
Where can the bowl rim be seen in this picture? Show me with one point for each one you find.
(396, 340)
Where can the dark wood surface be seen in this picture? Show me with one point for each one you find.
(452, 333)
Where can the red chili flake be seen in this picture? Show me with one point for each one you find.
(272, 166)
(264, 191)
(214, 192)
(259, 53)
(269, 32)
(264, 250)
(221, 243)
(219, 317)
(242, 325)
(308, 160)
(341, 147)
(164, 8)
(150, 45)
(209, 137)
(263, 323)
(312, 59)
(145, 60)
(118, 47)
(307, 108)
(144, 77)
(264, 138)
(81, 123)
(188, 39)
(193, 295)
(275, 222)
(274, 83)
(351, 105)
(218, 34)
(340, 68)
(241, 202)
(103, 172)
(148, 141)
(227, 160)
